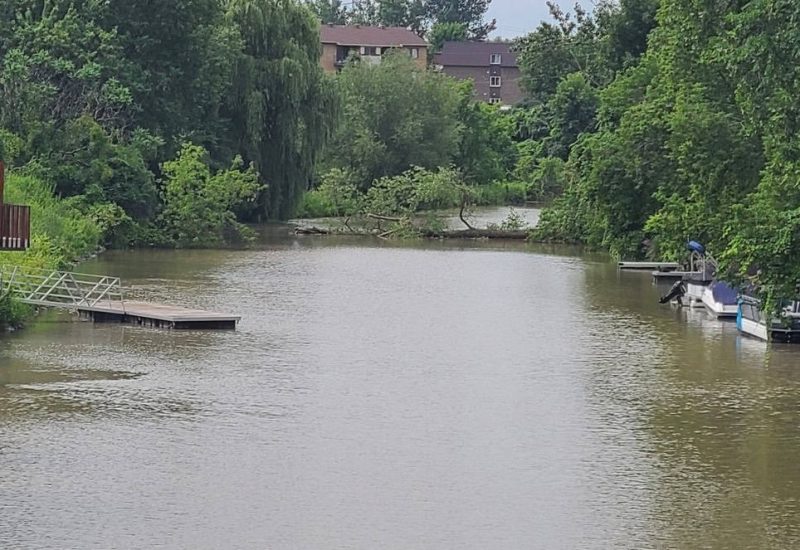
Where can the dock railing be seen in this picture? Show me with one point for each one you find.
(61, 289)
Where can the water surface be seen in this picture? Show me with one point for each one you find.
(398, 395)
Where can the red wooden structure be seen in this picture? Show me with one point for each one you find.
(15, 221)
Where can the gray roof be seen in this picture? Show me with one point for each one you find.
(360, 35)
(475, 54)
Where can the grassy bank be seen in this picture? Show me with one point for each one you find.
(62, 231)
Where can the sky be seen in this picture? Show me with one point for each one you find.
(518, 17)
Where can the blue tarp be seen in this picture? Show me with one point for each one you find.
(724, 294)
(695, 246)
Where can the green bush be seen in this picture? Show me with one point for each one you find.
(12, 312)
(501, 193)
(198, 205)
(337, 195)
(60, 232)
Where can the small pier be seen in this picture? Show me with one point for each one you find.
(649, 266)
(157, 316)
(102, 300)
(675, 274)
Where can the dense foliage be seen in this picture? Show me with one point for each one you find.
(677, 120)
(96, 96)
(397, 117)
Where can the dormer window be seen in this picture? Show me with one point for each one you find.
(495, 59)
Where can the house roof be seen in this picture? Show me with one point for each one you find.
(475, 54)
(360, 35)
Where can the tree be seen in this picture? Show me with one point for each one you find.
(180, 57)
(394, 116)
(281, 108)
(446, 32)
(466, 12)
(329, 11)
(571, 112)
(199, 205)
(486, 152)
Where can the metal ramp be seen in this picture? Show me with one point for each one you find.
(61, 289)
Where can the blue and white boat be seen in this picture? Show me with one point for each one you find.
(721, 299)
(785, 327)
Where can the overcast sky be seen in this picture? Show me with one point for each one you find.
(519, 17)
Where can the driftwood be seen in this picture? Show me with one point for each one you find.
(476, 234)
(312, 231)
(384, 218)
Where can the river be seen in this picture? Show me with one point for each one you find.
(398, 395)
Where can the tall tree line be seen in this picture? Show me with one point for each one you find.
(96, 95)
(676, 120)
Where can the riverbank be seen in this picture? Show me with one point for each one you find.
(62, 233)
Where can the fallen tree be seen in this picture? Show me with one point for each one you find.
(428, 233)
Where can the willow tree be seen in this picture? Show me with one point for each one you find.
(281, 109)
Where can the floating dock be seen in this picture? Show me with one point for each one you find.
(650, 266)
(676, 274)
(157, 316)
(103, 299)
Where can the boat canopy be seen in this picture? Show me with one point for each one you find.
(724, 294)
(695, 246)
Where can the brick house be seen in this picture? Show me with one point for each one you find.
(369, 43)
(491, 65)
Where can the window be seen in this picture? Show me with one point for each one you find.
(415, 53)
(494, 101)
(377, 51)
(495, 59)
(363, 50)
(494, 81)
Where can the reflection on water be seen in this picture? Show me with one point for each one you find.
(403, 395)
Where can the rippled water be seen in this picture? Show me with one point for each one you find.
(398, 395)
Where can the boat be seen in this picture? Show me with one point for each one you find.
(691, 285)
(752, 320)
(696, 287)
(698, 268)
(721, 299)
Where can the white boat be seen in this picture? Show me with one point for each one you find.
(720, 299)
(695, 290)
(752, 321)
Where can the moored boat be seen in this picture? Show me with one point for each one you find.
(695, 290)
(720, 299)
(785, 327)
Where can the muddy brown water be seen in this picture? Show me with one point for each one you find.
(398, 395)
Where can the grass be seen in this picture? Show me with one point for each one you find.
(60, 235)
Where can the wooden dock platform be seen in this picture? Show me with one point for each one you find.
(649, 266)
(157, 316)
(676, 274)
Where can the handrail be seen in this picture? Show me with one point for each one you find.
(61, 289)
